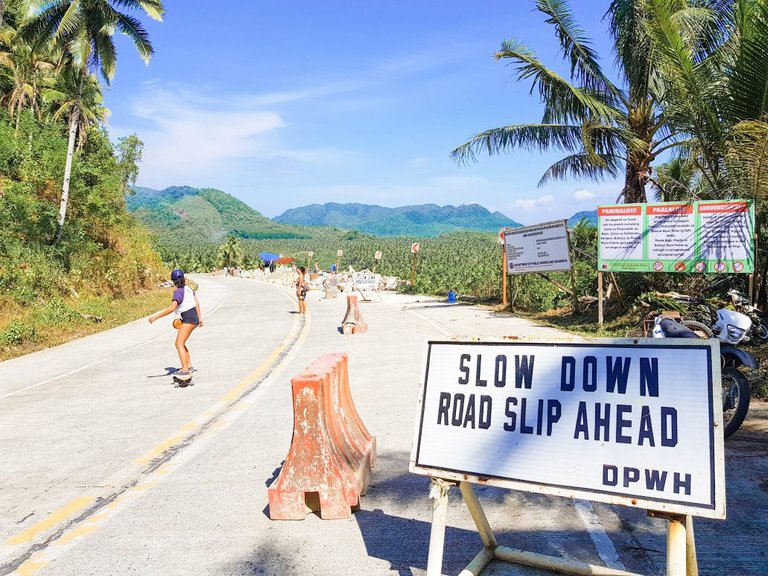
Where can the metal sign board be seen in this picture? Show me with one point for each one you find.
(539, 248)
(711, 236)
(629, 422)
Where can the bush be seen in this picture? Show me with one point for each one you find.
(17, 333)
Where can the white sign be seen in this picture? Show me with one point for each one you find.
(377, 255)
(415, 247)
(631, 422)
(339, 253)
(310, 254)
(365, 281)
(540, 248)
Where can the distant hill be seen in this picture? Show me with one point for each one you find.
(424, 220)
(590, 215)
(204, 214)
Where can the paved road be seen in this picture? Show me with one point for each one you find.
(106, 468)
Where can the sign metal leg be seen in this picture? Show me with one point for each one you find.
(439, 492)
(676, 547)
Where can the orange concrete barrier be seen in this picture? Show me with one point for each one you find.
(353, 322)
(329, 463)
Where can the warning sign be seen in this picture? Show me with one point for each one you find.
(637, 423)
(713, 236)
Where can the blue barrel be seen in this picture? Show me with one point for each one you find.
(451, 296)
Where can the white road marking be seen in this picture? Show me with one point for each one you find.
(602, 541)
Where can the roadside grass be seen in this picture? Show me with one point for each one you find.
(629, 325)
(59, 320)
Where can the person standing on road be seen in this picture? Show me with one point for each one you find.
(187, 308)
(302, 285)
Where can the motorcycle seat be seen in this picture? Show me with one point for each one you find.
(674, 329)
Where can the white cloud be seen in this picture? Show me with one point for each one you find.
(583, 194)
(533, 203)
(190, 137)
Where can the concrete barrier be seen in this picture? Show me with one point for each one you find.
(353, 322)
(329, 463)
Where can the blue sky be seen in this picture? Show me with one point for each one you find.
(284, 104)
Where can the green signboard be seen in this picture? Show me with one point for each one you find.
(712, 236)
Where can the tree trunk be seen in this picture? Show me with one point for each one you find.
(2, 11)
(67, 172)
(637, 173)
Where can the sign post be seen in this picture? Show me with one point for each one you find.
(309, 258)
(503, 268)
(415, 247)
(636, 423)
(377, 258)
(339, 254)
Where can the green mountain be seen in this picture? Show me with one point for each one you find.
(203, 214)
(590, 215)
(424, 220)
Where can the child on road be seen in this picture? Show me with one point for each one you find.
(185, 304)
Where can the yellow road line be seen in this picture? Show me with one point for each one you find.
(60, 515)
(38, 560)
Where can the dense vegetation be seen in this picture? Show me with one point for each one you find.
(66, 238)
(424, 220)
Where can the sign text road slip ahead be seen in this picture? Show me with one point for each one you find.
(620, 421)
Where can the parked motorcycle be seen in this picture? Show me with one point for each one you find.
(736, 390)
(728, 326)
(741, 303)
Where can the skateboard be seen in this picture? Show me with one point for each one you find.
(182, 382)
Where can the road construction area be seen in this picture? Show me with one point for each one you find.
(108, 468)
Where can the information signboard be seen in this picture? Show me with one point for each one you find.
(712, 236)
(539, 248)
(365, 281)
(631, 422)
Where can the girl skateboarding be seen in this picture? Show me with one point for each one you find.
(185, 304)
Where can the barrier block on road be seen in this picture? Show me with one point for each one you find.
(329, 462)
(353, 322)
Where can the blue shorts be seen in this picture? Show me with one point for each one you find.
(190, 317)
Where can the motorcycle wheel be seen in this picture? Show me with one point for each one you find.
(700, 328)
(735, 399)
(761, 330)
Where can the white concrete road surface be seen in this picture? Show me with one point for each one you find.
(106, 468)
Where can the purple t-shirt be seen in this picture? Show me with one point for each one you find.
(178, 296)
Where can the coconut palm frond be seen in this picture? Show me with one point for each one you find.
(571, 101)
(747, 157)
(533, 137)
(585, 68)
(580, 166)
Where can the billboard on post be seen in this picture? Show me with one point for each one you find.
(540, 248)
(711, 236)
(630, 422)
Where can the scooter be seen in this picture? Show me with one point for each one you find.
(741, 303)
(736, 390)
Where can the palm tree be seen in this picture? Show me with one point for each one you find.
(83, 30)
(231, 252)
(70, 91)
(604, 128)
(25, 68)
(714, 65)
